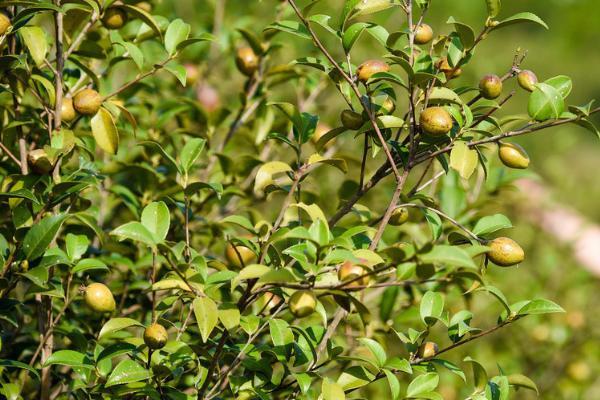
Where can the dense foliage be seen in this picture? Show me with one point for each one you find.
(158, 243)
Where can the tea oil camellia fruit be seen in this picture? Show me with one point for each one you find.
(505, 252)
(450, 72)
(490, 87)
(527, 80)
(428, 350)
(247, 61)
(67, 111)
(350, 271)
(87, 102)
(423, 34)
(155, 336)
(5, 23)
(114, 18)
(369, 68)
(239, 256)
(39, 161)
(513, 156)
(99, 298)
(351, 120)
(436, 121)
(302, 303)
(399, 216)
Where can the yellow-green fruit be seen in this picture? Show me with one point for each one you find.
(114, 18)
(99, 298)
(4, 23)
(302, 303)
(428, 349)
(351, 120)
(349, 271)
(246, 61)
(513, 156)
(67, 111)
(490, 86)
(399, 216)
(423, 34)
(369, 68)
(527, 80)
(39, 161)
(435, 121)
(144, 5)
(87, 102)
(155, 336)
(239, 256)
(505, 252)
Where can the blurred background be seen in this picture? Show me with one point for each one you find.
(560, 353)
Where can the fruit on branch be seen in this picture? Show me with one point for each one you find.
(505, 252)
(87, 102)
(114, 18)
(513, 156)
(5, 23)
(145, 6)
(67, 111)
(192, 74)
(435, 121)
(369, 68)
(208, 97)
(450, 72)
(428, 349)
(39, 161)
(423, 34)
(349, 271)
(99, 298)
(272, 301)
(155, 336)
(490, 87)
(247, 61)
(527, 80)
(239, 256)
(399, 216)
(302, 303)
(351, 120)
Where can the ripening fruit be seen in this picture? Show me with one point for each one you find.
(67, 111)
(39, 161)
(349, 271)
(208, 97)
(192, 74)
(435, 121)
(239, 256)
(272, 300)
(369, 68)
(155, 336)
(87, 102)
(423, 34)
(351, 120)
(246, 61)
(144, 5)
(527, 80)
(513, 156)
(302, 303)
(490, 86)
(505, 252)
(99, 298)
(450, 72)
(428, 349)
(5, 23)
(114, 18)
(399, 216)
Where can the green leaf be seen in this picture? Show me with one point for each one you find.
(522, 381)
(463, 159)
(144, 16)
(281, 333)
(541, 306)
(339, 163)
(134, 231)
(520, 18)
(435, 223)
(332, 391)
(432, 307)
(293, 27)
(545, 102)
(479, 374)
(39, 237)
(451, 255)
(422, 384)
(229, 315)
(352, 34)
(88, 264)
(393, 383)
(127, 371)
(491, 223)
(465, 32)
(264, 175)
(69, 357)
(105, 131)
(117, 324)
(17, 364)
(207, 316)
(76, 246)
(562, 83)
(250, 272)
(157, 219)
(375, 349)
(178, 71)
(190, 153)
(35, 40)
(177, 32)
(493, 7)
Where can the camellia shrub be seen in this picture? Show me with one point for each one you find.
(166, 242)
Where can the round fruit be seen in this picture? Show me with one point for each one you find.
(5, 23)
(527, 80)
(428, 350)
(399, 216)
(513, 156)
(246, 61)
(239, 256)
(67, 111)
(505, 252)
(369, 68)
(39, 161)
(449, 71)
(114, 18)
(349, 271)
(423, 34)
(144, 5)
(192, 74)
(435, 121)
(155, 336)
(87, 102)
(302, 303)
(351, 120)
(208, 97)
(99, 298)
(490, 86)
